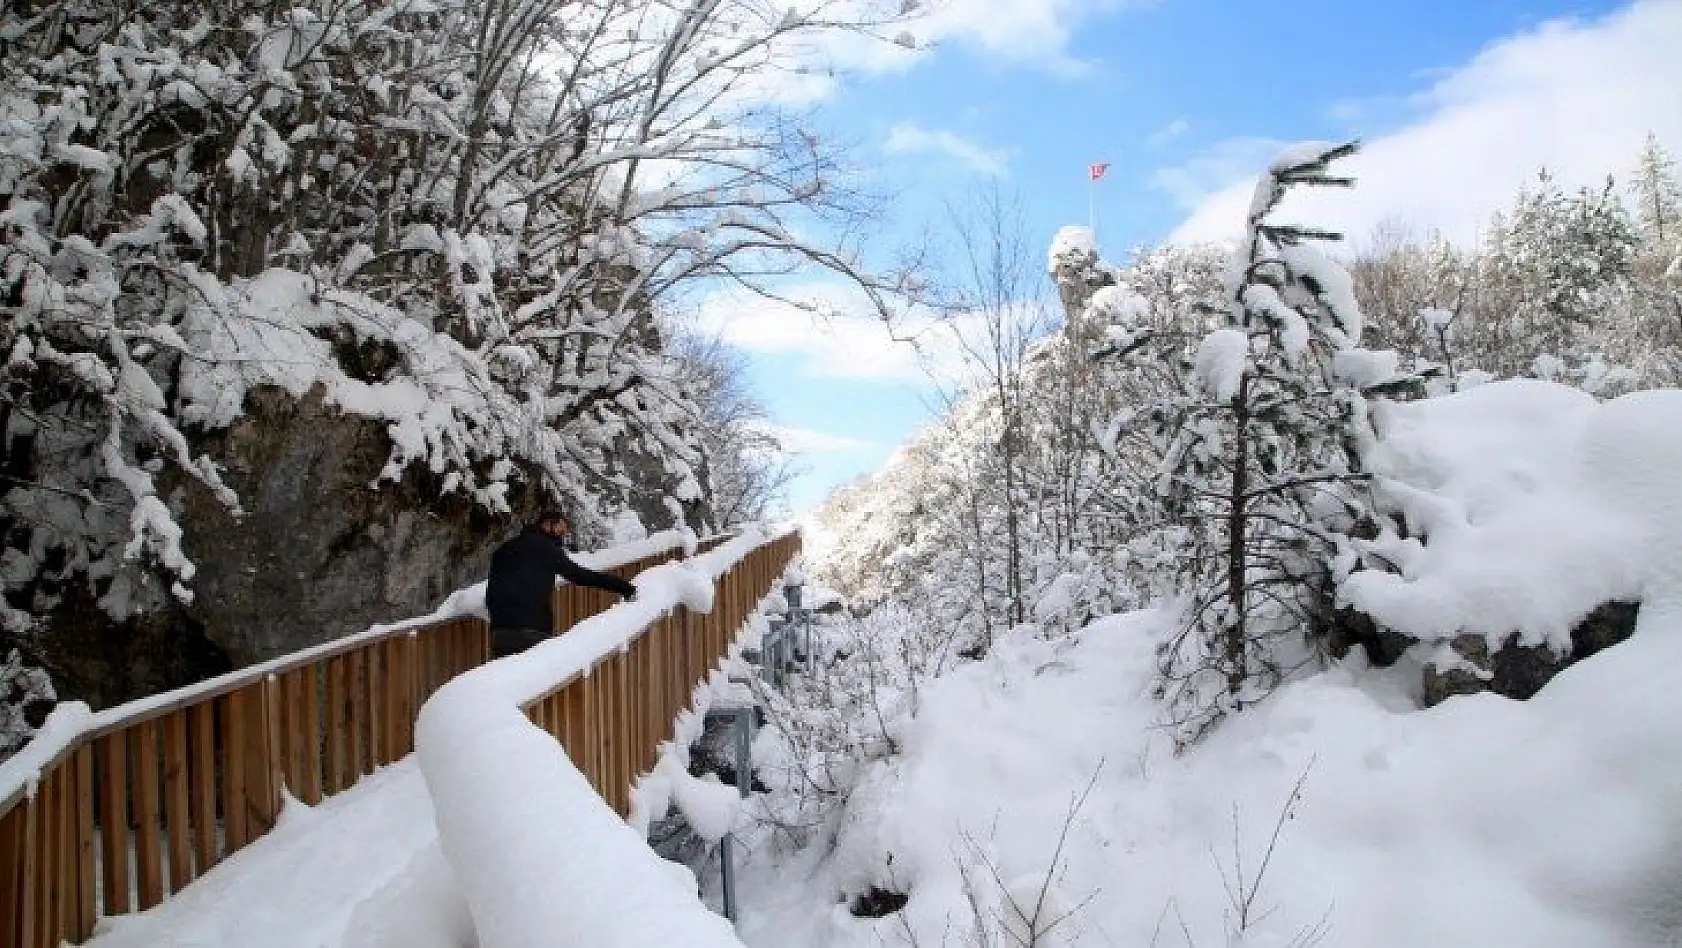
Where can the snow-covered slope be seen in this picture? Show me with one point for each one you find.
(1337, 812)
(1553, 822)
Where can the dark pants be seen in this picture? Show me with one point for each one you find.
(514, 641)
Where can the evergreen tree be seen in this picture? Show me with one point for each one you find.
(1658, 195)
(1260, 458)
(1554, 268)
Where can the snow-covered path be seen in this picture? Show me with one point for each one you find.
(361, 870)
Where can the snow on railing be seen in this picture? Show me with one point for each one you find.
(528, 757)
(201, 770)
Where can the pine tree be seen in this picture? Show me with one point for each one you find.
(1658, 195)
(1260, 459)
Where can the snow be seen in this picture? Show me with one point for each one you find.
(1536, 504)
(1120, 306)
(1549, 824)
(710, 806)
(361, 870)
(1071, 241)
(541, 857)
(1221, 359)
(1365, 367)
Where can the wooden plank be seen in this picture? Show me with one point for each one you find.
(311, 737)
(50, 875)
(628, 749)
(263, 783)
(202, 724)
(621, 731)
(408, 692)
(376, 706)
(356, 714)
(588, 754)
(289, 689)
(114, 821)
(177, 801)
(12, 878)
(29, 933)
(338, 727)
(574, 726)
(236, 724)
(87, 898)
(148, 848)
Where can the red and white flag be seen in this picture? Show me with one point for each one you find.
(1097, 170)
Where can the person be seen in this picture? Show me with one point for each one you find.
(520, 592)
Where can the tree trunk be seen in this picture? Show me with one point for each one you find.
(1235, 539)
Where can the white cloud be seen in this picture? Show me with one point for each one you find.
(845, 346)
(1029, 32)
(1577, 96)
(809, 441)
(1203, 176)
(845, 343)
(908, 138)
(1167, 133)
(1032, 33)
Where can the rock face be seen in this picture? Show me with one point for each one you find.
(321, 552)
(1519, 671)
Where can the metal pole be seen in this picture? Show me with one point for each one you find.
(741, 728)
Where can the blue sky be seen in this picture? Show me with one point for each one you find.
(1186, 99)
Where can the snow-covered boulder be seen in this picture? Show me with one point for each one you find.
(1529, 530)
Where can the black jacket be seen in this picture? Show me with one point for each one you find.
(520, 594)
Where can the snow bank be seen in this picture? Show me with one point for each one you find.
(1535, 504)
(541, 858)
(71, 719)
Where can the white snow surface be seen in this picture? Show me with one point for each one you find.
(1552, 823)
(1221, 358)
(361, 870)
(1071, 240)
(1535, 504)
(541, 858)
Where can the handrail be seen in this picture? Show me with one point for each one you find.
(530, 760)
(198, 773)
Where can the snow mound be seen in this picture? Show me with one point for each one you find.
(1071, 243)
(1527, 504)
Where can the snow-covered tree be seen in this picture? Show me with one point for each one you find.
(1261, 458)
(458, 219)
(747, 468)
(1555, 264)
(1657, 194)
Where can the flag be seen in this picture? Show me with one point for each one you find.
(1097, 171)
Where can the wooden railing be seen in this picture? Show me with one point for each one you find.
(564, 732)
(612, 717)
(163, 789)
